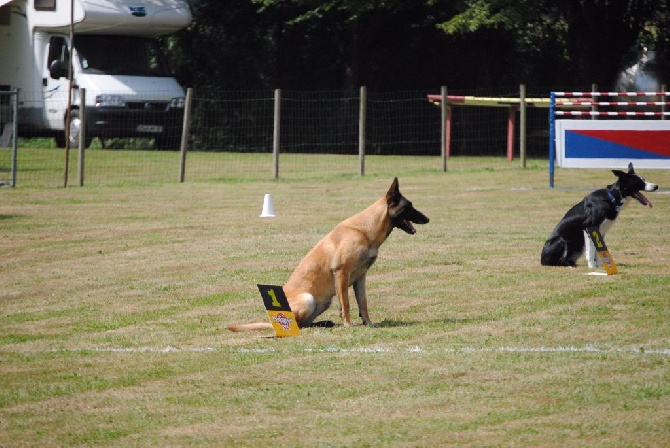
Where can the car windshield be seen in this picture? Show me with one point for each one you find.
(120, 55)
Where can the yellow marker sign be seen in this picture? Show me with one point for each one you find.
(281, 317)
(604, 254)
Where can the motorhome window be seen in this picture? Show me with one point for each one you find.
(120, 55)
(58, 51)
(45, 5)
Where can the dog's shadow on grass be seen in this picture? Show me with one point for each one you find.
(382, 324)
(396, 323)
(408, 323)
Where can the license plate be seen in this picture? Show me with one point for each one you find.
(152, 128)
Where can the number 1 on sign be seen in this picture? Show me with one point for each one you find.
(273, 296)
(279, 311)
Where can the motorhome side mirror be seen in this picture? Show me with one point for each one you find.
(57, 70)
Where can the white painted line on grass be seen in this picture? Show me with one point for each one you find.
(371, 350)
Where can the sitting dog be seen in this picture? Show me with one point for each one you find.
(598, 209)
(342, 258)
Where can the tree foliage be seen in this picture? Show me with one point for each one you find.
(594, 38)
(395, 44)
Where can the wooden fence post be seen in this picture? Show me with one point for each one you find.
(362, 111)
(185, 129)
(445, 128)
(82, 135)
(276, 134)
(522, 125)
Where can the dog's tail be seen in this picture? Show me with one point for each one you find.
(250, 327)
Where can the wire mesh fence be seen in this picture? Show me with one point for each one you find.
(232, 137)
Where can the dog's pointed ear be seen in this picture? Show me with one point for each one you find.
(618, 173)
(630, 168)
(393, 195)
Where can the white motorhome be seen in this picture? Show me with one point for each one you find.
(130, 91)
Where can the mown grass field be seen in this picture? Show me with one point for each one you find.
(114, 302)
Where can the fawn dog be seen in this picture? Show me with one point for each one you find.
(342, 259)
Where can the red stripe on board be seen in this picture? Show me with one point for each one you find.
(456, 99)
(656, 141)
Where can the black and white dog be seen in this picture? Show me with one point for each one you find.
(598, 209)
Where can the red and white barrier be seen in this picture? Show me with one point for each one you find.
(610, 143)
(511, 103)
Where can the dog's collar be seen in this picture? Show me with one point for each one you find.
(614, 200)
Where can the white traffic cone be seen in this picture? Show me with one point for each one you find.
(268, 207)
